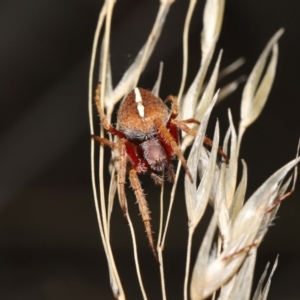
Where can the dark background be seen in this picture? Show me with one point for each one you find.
(50, 247)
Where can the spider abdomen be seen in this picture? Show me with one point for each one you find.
(137, 113)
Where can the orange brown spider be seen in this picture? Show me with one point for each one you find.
(148, 138)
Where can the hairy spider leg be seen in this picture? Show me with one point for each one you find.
(173, 129)
(191, 120)
(174, 112)
(182, 125)
(207, 141)
(237, 252)
(143, 206)
(156, 178)
(174, 133)
(139, 165)
(104, 142)
(103, 117)
(170, 144)
(282, 198)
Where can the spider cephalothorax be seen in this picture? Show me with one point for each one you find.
(148, 139)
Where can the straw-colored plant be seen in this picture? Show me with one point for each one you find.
(238, 225)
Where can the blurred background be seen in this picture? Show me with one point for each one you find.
(50, 246)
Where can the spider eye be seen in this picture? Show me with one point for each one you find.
(155, 154)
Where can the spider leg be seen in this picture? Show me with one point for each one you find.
(207, 141)
(191, 120)
(182, 125)
(173, 129)
(104, 142)
(174, 112)
(143, 206)
(171, 173)
(168, 141)
(159, 180)
(282, 198)
(156, 178)
(103, 117)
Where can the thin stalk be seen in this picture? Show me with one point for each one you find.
(170, 205)
(136, 260)
(103, 86)
(105, 53)
(111, 196)
(161, 217)
(101, 221)
(162, 273)
(188, 262)
(92, 65)
(159, 248)
(185, 47)
(90, 109)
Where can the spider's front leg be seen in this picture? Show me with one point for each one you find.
(104, 142)
(174, 112)
(174, 124)
(207, 141)
(103, 117)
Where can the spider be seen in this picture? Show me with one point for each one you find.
(148, 135)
